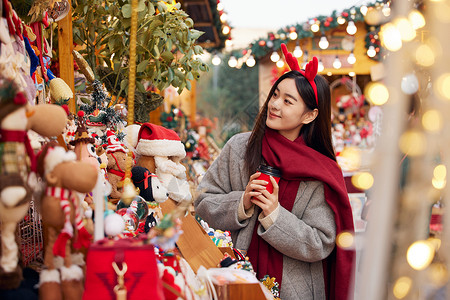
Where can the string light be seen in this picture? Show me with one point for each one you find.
(293, 35)
(251, 61)
(220, 6)
(216, 60)
(371, 51)
(232, 62)
(226, 29)
(298, 51)
(351, 59)
(351, 28)
(315, 27)
(340, 20)
(320, 66)
(363, 9)
(228, 43)
(224, 17)
(386, 10)
(323, 43)
(337, 63)
(275, 56)
(351, 74)
(280, 63)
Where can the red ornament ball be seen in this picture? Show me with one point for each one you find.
(169, 119)
(244, 51)
(80, 113)
(326, 23)
(292, 29)
(345, 14)
(329, 19)
(262, 43)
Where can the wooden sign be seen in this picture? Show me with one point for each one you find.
(194, 243)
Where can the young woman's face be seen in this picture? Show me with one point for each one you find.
(286, 111)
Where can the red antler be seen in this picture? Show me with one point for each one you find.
(290, 59)
(311, 69)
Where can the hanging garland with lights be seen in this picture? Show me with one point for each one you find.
(272, 42)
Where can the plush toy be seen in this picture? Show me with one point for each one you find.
(116, 154)
(161, 149)
(150, 188)
(16, 161)
(62, 220)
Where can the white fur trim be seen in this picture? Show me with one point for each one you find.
(131, 135)
(56, 156)
(49, 276)
(74, 272)
(166, 166)
(78, 259)
(161, 148)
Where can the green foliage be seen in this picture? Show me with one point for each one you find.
(165, 46)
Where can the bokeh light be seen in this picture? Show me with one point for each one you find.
(345, 240)
(363, 180)
(425, 55)
(420, 254)
(377, 93)
(413, 143)
(402, 287)
(442, 86)
(432, 120)
(405, 28)
(440, 172)
(438, 184)
(390, 36)
(416, 18)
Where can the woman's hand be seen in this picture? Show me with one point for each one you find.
(254, 188)
(266, 201)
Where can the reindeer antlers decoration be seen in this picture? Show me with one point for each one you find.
(310, 69)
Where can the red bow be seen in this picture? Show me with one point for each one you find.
(310, 69)
(147, 175)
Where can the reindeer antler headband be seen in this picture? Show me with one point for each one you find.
(310, 69)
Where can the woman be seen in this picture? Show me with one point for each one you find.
(291, 233)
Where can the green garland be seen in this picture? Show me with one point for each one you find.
(272, 42)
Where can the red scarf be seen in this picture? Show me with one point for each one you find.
(298, 162)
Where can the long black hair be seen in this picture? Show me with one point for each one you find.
(316, 134)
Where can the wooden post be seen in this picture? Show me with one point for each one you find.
(65, 47)
(193, 102)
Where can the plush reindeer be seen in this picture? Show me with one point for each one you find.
(61, 219)
(16, 162)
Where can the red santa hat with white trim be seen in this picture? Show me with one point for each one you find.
(113, 143)
(155, 140)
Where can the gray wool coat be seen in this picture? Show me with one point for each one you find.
(305, 236)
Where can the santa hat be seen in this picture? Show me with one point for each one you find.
(113, 143)
(155, 140)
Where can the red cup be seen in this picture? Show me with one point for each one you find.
(266, 172)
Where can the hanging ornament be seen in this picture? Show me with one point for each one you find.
(410, 84)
